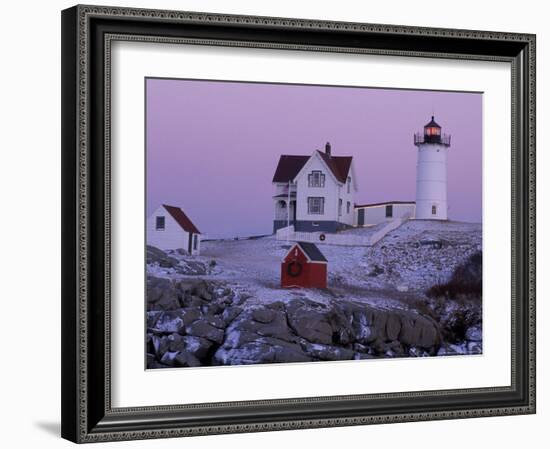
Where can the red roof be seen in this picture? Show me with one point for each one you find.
(339, 165)
(289, 166)
(182, 219)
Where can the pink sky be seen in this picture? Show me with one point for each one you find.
(212, 147)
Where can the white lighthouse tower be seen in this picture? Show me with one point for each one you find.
(431, 172)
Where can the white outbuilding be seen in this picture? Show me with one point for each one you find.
(170, 228)
(375, 213)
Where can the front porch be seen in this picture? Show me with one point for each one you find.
(285, 210)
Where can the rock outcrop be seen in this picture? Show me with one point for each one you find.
(195, 323)
(180, 265)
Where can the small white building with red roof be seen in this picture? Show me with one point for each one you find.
(169, 228)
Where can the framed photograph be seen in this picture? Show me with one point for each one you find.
(284, 223)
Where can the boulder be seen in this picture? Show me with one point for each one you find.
(327, 352)
(202, 328)
(155, 255)
(260, 350)
(197, 346)
(474, 334)
(203, 290)
(277, 327)
(161, 294)
(393, 326)
(152, 317)
(185, 358)
(263, 315)
(175, 321)
(309, 323)
(169, 322)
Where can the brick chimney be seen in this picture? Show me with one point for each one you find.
(327, 149)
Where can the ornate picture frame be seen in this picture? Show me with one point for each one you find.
(87, 35)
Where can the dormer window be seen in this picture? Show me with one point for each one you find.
(316, 179)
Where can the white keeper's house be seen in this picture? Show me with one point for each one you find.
(314, 193)
(169, 227)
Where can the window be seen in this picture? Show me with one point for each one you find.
(195, 242)
(340, 206)
(160, 224)
(348, 207)
(315, 205)
(349, 185)
(434, 210)
(316, 179)
(389, 211)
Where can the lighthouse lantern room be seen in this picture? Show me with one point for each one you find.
(431, 172)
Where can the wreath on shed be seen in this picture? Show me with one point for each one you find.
(294, 268)
(322, 237)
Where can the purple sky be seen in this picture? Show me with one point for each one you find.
(212, 147)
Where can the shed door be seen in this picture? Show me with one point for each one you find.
(361, 217)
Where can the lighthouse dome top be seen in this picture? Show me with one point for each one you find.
(432, 124)
(432, 134)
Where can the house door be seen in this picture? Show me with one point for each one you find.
(361, 217)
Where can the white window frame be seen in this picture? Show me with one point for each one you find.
(316, 179)
(340, 206)
(348, 207)
(316, 205)
(349, 185)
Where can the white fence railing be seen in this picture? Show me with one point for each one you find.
(392, 225)
(285, 233)
(342, 239)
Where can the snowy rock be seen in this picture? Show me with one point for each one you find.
(327, 352)
(169, 322)
(203, 290)
(309, 323)
(263, 315)
(277, 327)
(262, 350)
(475, 347)
(202, 328)
(474, 334)
(152, 317)
(155, 255)
(197, 346)
(161, 294)
(230, 313)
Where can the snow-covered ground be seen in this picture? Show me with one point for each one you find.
(402, 265)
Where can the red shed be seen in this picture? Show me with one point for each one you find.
(304, 266)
